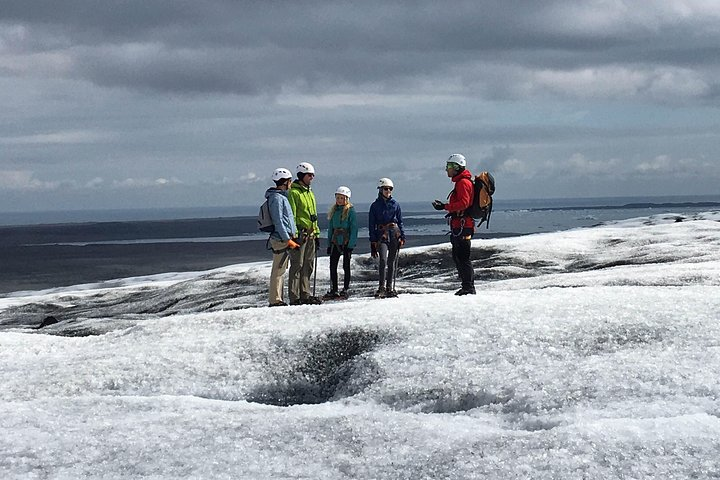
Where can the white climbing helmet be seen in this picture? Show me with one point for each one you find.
(280, 174)
(458, 158)
(305, 167)
(343, 190)
(385, 182)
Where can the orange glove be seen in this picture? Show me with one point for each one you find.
(292, 244)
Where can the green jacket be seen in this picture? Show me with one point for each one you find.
(302, 202)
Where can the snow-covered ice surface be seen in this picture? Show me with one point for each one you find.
(591, 353)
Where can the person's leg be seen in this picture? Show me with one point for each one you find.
(461, 256)
(296, 264)
(455, 254)
(308, 266)
(468, 272)
(334, 260)
(392, 255)
(347, 255)
(277, 273)
(382, 263)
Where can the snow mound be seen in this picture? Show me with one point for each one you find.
(590, 353)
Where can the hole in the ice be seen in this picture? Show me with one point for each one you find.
(440, 400)
(531, 423)
(49, 320)
(331, 366)
(611, 338)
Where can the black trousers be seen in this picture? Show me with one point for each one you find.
(335, 254)
(461, 257)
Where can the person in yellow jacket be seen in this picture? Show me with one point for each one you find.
(302, 260)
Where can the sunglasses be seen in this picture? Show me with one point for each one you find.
(387, 188)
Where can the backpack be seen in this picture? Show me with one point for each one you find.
(483, 190)
(265, 223)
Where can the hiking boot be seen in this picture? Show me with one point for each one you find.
(311, 301)
(344, 294)
(380, 292)
(279, 304)
(391, 294)
(296, 302)
(466, 291)
(331, 295)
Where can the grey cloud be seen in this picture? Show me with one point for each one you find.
(210, 92)
(84, 18)
(462, 26)
(258, 47)
(496, 158)
(173, 71)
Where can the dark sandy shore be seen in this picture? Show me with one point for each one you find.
(48, 266)
(41, 267)
(49, 256)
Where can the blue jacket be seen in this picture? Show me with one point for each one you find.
(349, 225)
(382, 212)
(281, 214)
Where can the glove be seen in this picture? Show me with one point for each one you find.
(292, 244)
(401, 242)
(347, 251)
(438, 205)
(373, 250)
(329, 249)
(317, 243)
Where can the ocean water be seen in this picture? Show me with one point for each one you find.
(516, 215)
(49, 249)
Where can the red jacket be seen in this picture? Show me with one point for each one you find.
(460, 199)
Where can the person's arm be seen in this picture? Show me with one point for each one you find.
(276, 214)
(313, 208)
(462, 200)
(330, 227)
(352, 221)
(400, 223)
(293, 200)
(372, 224)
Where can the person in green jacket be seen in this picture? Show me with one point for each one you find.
(302, 260)
(342, 238)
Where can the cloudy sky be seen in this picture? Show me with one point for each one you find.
(178, 103)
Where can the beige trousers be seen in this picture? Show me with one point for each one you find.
(302, 264)
(277, 274)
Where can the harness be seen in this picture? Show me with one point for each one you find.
(268, 246)
(307, 232)
(459, 230)
(340, 232)
(385, 228)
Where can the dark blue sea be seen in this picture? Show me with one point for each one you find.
(40, 250)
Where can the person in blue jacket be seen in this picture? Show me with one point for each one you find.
(342, 238)
(283, 236)
(386, 236)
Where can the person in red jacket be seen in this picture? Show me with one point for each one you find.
(462, 226)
